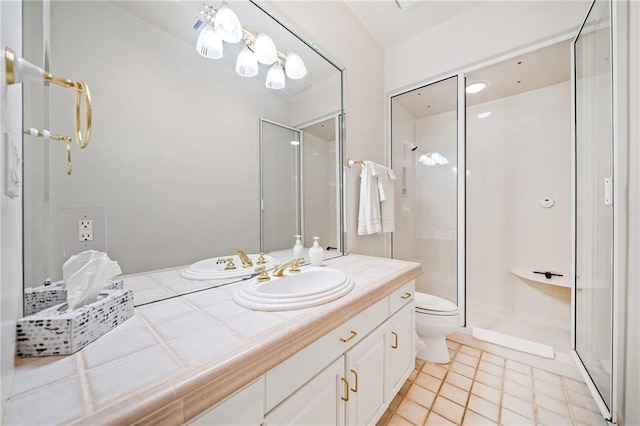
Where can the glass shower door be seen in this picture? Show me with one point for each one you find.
(593, 310)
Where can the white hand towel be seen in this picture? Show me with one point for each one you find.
(369, 218)
(385, 177)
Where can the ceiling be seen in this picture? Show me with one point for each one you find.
(389, 25)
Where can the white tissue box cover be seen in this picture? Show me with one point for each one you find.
(45, 296)
(54, 332)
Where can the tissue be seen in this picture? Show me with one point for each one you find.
(85, 275)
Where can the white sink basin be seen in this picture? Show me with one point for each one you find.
(311, 287)
(210, 269)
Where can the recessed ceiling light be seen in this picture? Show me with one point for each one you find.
(484, 114)
(476, 87)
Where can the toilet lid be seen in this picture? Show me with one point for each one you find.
(430, 303)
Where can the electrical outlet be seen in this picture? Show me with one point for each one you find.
(85, 230)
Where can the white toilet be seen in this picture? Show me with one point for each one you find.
(436, 318)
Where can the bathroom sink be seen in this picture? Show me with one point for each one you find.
(311, 287)
(214, 268)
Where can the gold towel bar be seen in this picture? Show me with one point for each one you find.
(48, 135)
(350, 163)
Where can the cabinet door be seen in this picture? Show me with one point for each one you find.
(364, 369)
(400, 350)
(319, 402)
(245, 407)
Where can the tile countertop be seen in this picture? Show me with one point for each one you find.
(178, 357)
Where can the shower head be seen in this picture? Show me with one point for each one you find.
(411, 145)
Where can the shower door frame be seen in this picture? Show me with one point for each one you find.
(620, 147)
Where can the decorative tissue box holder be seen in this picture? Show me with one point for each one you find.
(62, 332)
(45, 296)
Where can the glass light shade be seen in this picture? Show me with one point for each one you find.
(265, 50)
(275, 77)
(247, 64)
(476, 87)
(294, 67)
(209, 43)
(227, 25)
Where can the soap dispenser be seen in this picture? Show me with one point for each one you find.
(316, 253)
(297, 247)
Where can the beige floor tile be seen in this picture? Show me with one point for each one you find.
(412, 411)
(448, 409)
(524, 408)
(586, 417)
(509, 418)
(452, 354)
(463, 369)
(434, 370)
(395, 402)
(519, 378)
(547, 388)
(491, 368)
(428, 382)
(396, 420)
(413, 375)
(455, 394)
(459, 380)
(405, 388)
(386, 417)
(453, 345)
(421, 395)
(523, 392)
(470, 351)
(550, 418)
(489, 379)
(420, 363)
(576, 386)
(436, 420)
(467, 359)
(518, 366)
(547, 377)
(584, 401)
(484, 407)
(552, 404)
(494, 359)
(473, 419)
(486, 392)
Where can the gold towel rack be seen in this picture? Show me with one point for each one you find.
(48, 135)
(350, 163)
(18, 70)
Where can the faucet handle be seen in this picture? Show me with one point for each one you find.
(229, 260)
(295, 264)
(264, 276)
(261, 260)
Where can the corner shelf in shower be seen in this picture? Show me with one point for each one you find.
(530, 276)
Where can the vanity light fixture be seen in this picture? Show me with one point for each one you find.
(223, 24)
(476, 87)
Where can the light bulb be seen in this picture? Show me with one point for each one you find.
(265, 50)
(294, 67)
(275, 77)
(247, 64)
(227, 25)
(209, 43)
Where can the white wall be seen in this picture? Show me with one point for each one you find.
(10, 215)
(487, 30)
(516, 157)
(319, 195)
(332, 26)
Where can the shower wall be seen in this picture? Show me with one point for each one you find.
(516, 157)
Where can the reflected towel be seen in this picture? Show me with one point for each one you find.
(369, 217)
(385, 177)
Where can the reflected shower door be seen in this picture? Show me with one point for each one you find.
(280, 181)
(593, 320)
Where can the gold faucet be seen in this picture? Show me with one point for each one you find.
(294, 264)
(264, 276)
(246, 262)
(229, 261)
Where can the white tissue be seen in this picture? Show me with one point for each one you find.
(85, 274)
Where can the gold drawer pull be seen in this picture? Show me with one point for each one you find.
(406, 295)
(345, 340)
(395, 345)
(346, 389)
(356, 380)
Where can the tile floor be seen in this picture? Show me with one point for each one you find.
(489, 385)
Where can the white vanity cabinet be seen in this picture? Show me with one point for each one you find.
(242, 408)
(400, 350)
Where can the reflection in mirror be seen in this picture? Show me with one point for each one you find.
(172, 175)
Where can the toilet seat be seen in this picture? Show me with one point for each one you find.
(433, 305)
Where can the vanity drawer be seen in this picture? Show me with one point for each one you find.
(401, 296)
(282, 380)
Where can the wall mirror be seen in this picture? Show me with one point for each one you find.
(172, 174)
